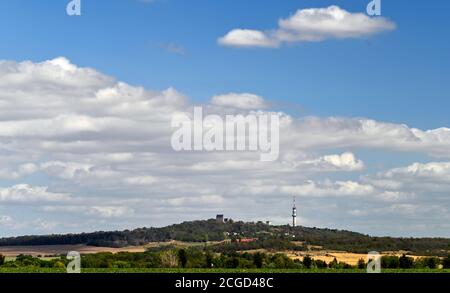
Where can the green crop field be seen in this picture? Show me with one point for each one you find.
(268, 271)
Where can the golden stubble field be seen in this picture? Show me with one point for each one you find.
(341, 256)
(47, 250)
(50, 250)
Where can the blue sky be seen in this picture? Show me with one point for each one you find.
(366, 170)
(400, 76)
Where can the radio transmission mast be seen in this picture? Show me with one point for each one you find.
(294, 214)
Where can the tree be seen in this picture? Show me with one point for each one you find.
(182, 257)
(231, 261)
(321, 264)
(235, 262)
(446, 262)
(406, 262)
(168, 259)
(431, 262)
(333, 264)
(307, 262)
(279, 261)
(2, 259)
(361, 264)
(390, 262)
(258, 260)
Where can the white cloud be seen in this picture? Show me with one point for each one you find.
(199, 201)
(332, 22)
(427, 178)
(344, 162)
(248, 38)
(306, 25)
(327, 188)
(338, 132)
(77, 171)
(289, 163)
(102, 148)
(434, 171)
(141, 180)
(92, 211)
(244, 101)
(394, 196)
(42, 225)
(110, 211)
(22, 170)
(358, 213)
(6, 221)
(24, 193)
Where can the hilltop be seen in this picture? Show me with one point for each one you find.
(256, 235)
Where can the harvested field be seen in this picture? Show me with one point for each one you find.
(341, 256)
(48, 250)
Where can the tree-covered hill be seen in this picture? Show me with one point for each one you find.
(276, 237)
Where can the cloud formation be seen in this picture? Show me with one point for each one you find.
(24, 193)
(310, 25)
(81, 151)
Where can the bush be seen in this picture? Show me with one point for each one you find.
(258, 259)
(432, 262)
(182, 257)
(406, 262)
(361, 264)
(320, 264)
(427, 262)
(169, 259)
(307, 262)
(333, 264)
(390, 262)
(121, 264)
(59, 265)
(446, 262)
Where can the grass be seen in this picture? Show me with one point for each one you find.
(267, 271)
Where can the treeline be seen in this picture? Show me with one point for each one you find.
(264, 242)
(198, 258)
(204, 231)
(359, 243)
(198, 231)
(406, 262)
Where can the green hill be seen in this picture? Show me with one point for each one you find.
(275, 237)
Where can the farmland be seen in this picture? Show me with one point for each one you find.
(192, 258)
(211, 247)
(210, 231)
(213, 271)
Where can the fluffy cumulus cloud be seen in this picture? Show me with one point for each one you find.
(313, 132)
(420, 177)
(434, 171)
(346, 161)
(82, 151)
(248, 38)
(308, 25)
